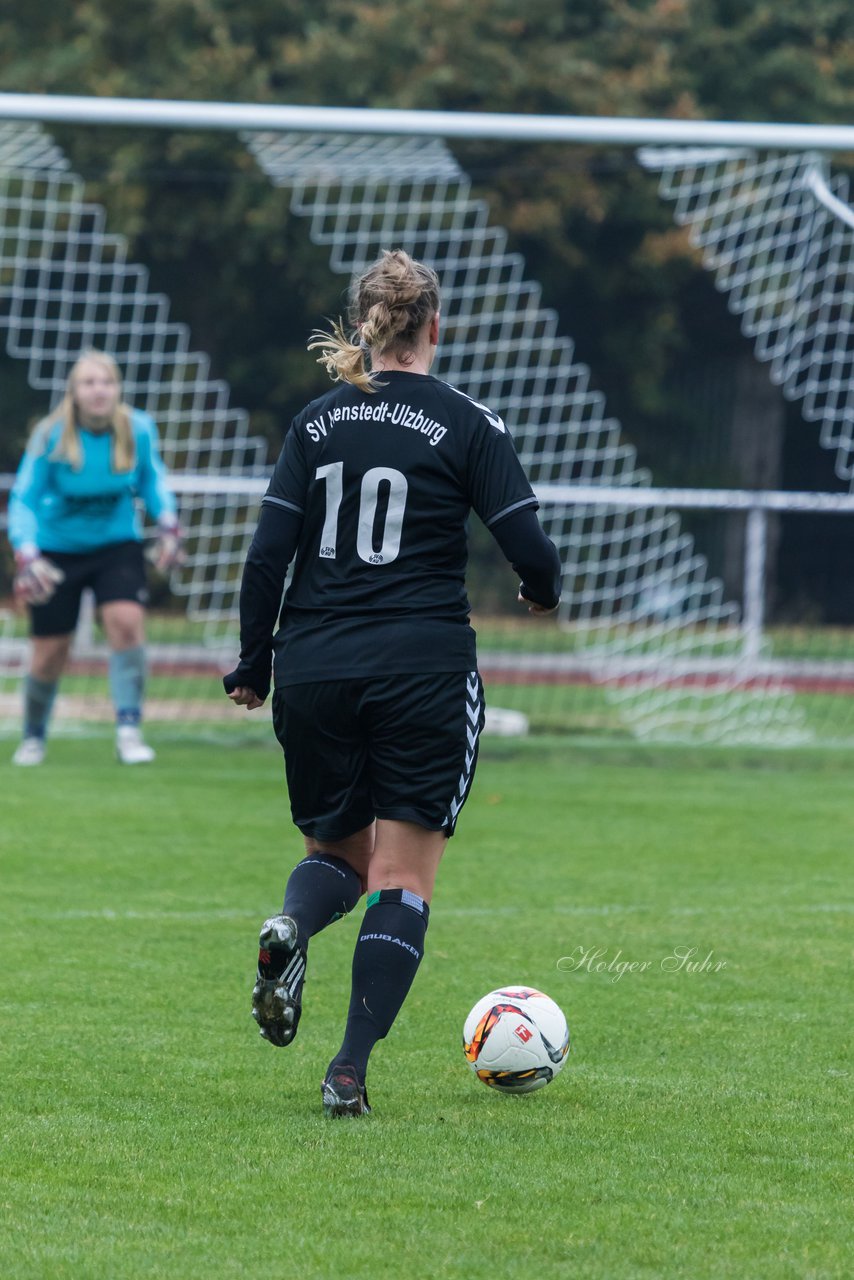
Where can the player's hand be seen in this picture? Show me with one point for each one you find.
(538, 610)
(168, 551)
(243, 696)
(36, 577)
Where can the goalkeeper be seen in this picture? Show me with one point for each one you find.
(73, 524)
(378, 704)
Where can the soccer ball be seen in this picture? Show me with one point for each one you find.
(516, 1039)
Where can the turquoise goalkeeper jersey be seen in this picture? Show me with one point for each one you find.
(57, 508)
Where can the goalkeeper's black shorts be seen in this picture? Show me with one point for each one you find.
(402, 747)
(113, 572)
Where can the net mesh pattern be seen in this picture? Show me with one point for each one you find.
(67, 285)
(646, 617)
(643, 618)
(778, 235)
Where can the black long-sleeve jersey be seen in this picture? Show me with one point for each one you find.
(372, 491)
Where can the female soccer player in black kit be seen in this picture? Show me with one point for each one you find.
(378, 704)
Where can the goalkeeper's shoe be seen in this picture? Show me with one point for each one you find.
(30, 751)
(277, 994)
(131, 748)
(343, 1094)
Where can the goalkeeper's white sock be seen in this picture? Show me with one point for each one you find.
(39, 697)
(127, 684)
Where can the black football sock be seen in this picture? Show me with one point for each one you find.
(387, 955)
(320, 889)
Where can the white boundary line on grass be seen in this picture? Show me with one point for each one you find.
(225, 913)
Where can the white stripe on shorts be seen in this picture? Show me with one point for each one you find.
(473, 714)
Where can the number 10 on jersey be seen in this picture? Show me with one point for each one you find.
(367, 535)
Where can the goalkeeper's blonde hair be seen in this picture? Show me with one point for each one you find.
(68, 448)
(389, 306)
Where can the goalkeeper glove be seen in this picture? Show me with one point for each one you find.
(168, 551)
(36, 578)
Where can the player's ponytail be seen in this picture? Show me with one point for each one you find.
(343, 359)
(389, 306)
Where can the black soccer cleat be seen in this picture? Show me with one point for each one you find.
(277, 994)
(342, 1094)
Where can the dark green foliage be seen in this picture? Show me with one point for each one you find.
(218, 239)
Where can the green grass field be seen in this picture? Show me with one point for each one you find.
(701, 1128)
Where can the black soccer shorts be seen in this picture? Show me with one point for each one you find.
(398, 746)
(114, 572)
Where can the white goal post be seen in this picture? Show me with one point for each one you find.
(646, 643)
(239, 117)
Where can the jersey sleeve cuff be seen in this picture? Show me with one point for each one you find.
(254, 678)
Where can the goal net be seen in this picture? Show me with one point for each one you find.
(646, 643)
